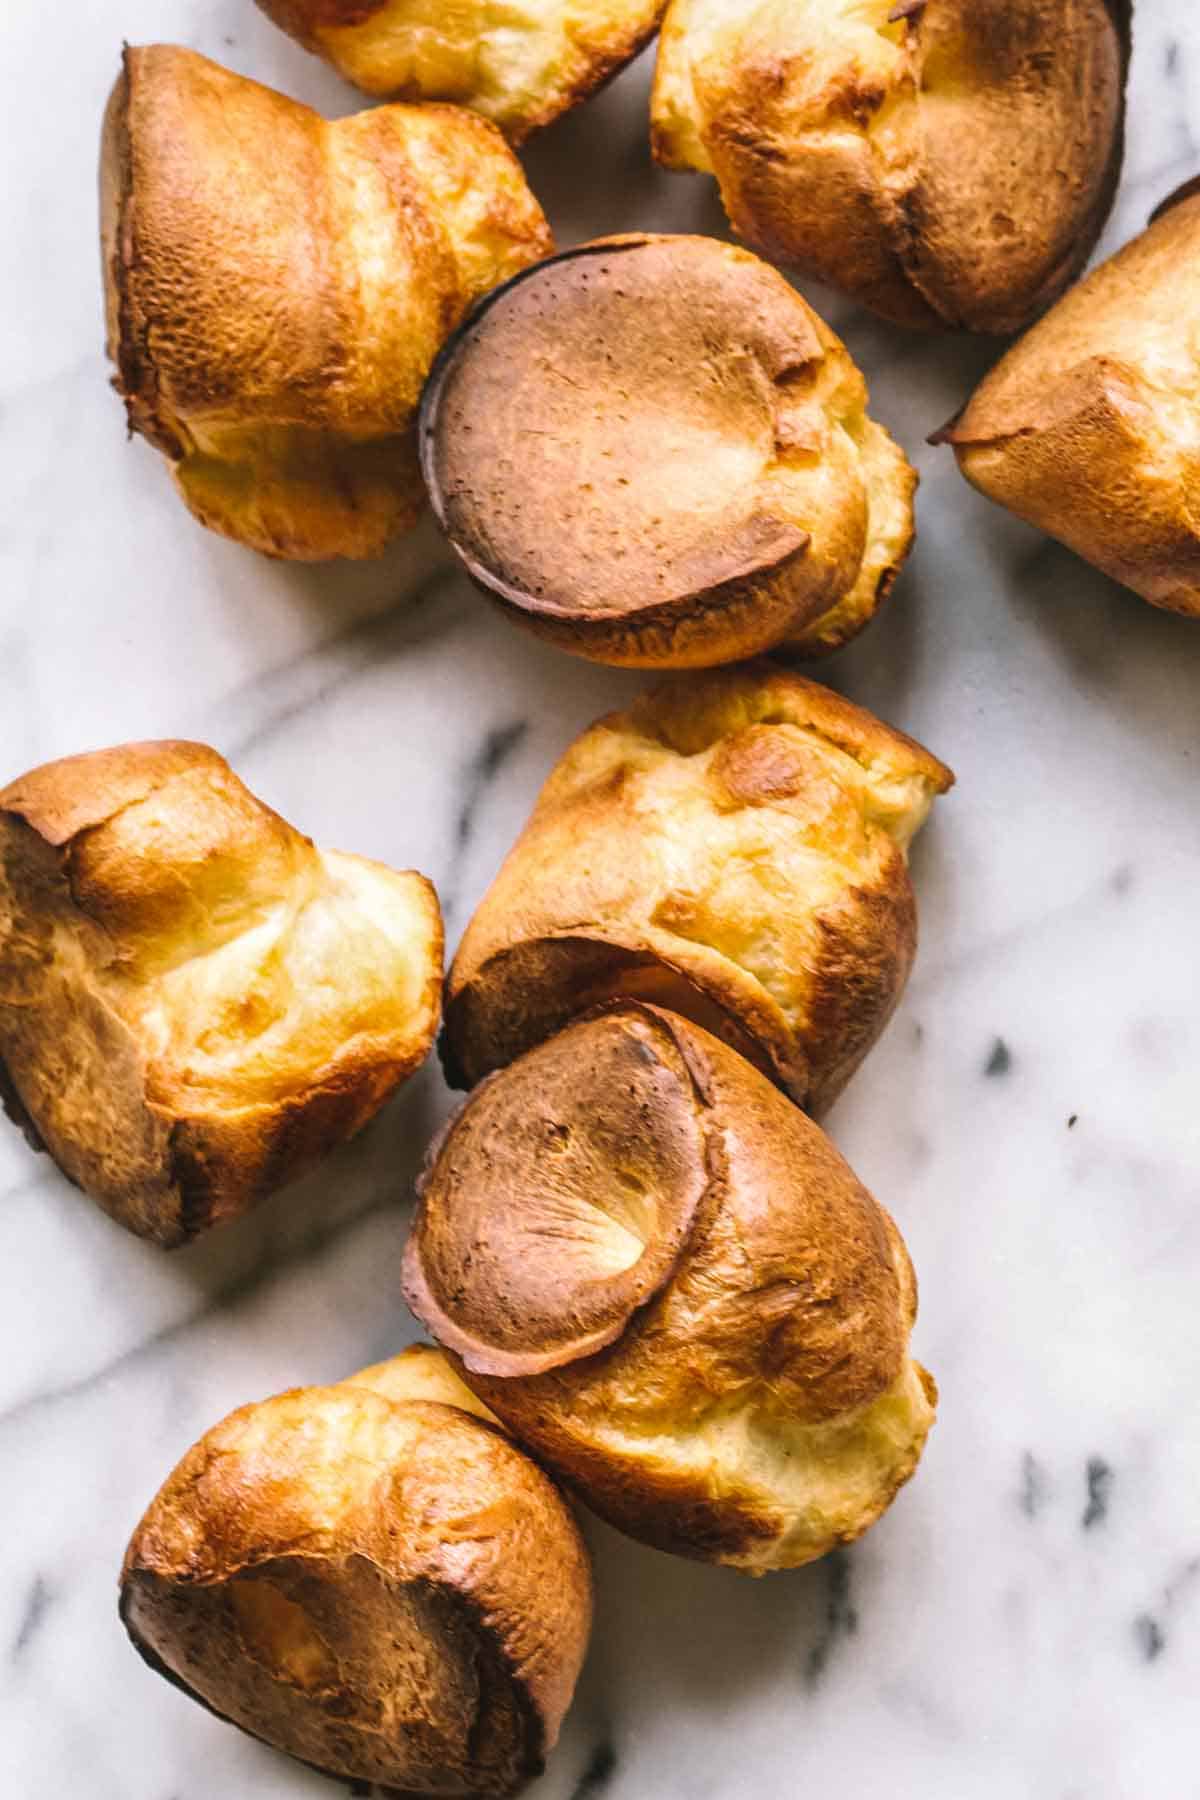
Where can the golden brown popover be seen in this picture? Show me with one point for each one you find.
(521, 66)
(197, 1004)
(371, 1579)
(277, 287)
(1090, 426)
(664, 1279)
(949, 163)
(734, 847)
(651, 451)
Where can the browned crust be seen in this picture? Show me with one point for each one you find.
(305, 19)
(1086, 428)
(787, 1304)
(919, 187)
(615, 885)
(577, 371)
(1187, 190)
(277, 368)
(605, 68)
(407, 1553)
(125, 331)
(522, 1314)
(115, 868)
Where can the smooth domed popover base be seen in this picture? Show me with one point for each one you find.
(650, 451)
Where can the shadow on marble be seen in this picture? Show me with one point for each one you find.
(1112, 644)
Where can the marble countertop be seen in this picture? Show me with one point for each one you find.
(1026, 1620)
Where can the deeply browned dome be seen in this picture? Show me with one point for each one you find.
(948, 163)
(652, 452)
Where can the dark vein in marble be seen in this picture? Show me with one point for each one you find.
(277, 697)
(1013, 940)
(1034, 1486)
(495, 752)
(37, 1605)
(1150, 1628)
(274, 1262)
(1099, 1477)
(1000, 1060)
(597, 1776)
(841, 1617)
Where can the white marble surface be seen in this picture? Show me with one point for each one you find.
(1026, 1621)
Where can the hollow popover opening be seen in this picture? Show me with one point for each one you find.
(732, 847)
(743, 1391)
(372, 1578)
(652, 452)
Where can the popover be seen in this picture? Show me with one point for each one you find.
(662, 1277)
(521, 66)
(277, 287)
(949, 164)
(734, 847)
(370, 1579)
(1090, 427)
(651, 451)
(197, 1004)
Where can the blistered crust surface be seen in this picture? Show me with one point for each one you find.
(370, 1579)
(653, 452)
(277, 287)
(519, 65)
(733, 846)
(755, 1402)
(197, 1004)
(950, 164)
(1090, 426)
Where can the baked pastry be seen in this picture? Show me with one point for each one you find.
(733, 847)
(664, 1279)
(370, 1579)
(698, 478)
(277, 287)
(1090, 426)
(196, 1004)
(519, 66)
(948, 164)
